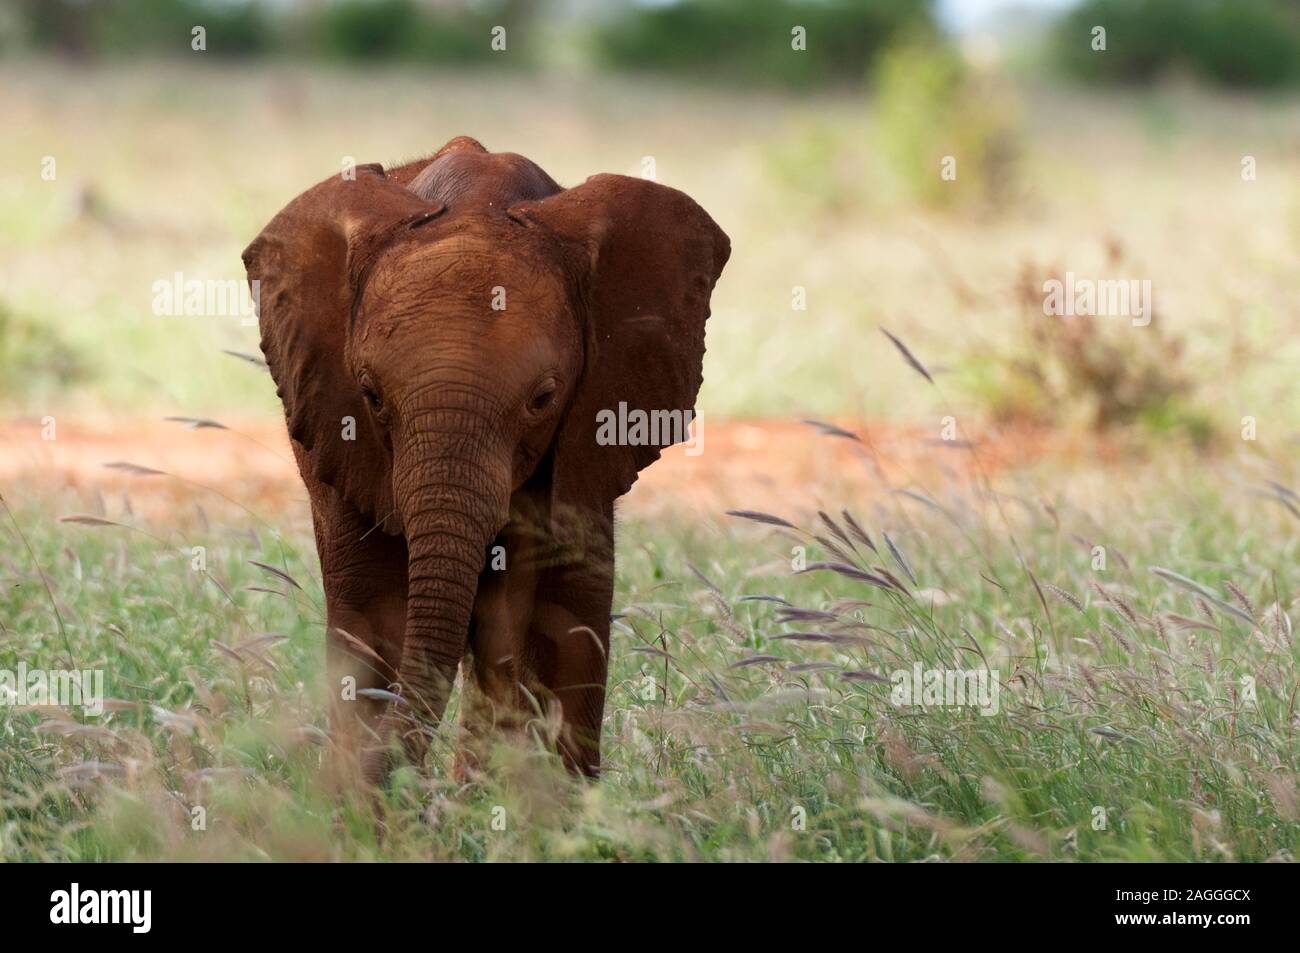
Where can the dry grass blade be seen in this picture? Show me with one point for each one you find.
(360, 646)
(993, 582)
(258, 642)
(909, 356)
(133, 468)
(197, 423)
(1067, 597)
(1283, 490)
(278, 573)
(261, 659)
(1291, 507)
(250, 358)
(1118, 636)
(858, 531)
(91, 770)
(1042, 599)
(1179, 579)
(811, 667)
(73, 729)
(757, 517)
(774, 599)
(225, 649)
(890, 578)
(898, 558)
(1193, 586)
(834, 528)
(269, 591)
(922, 498)
(717, 688)
(754, 660)
(804, 615)
(836, 550)
(844, 569)
(224, 589)
(830, 430)
(652, 650)
(1241, 597)
(1278, 494)
(1278, 621)
(1183, 622)
(833, 638)
(1229, 608)
(857, 675)
(1112, 735)
(381, 694)
(706, 580)
(1118, 604)
(85, 520)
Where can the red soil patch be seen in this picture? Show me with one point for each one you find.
(775, 465)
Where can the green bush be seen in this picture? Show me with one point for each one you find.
(81, 27)
(34, 359)
(1101, 371)
(1239, 43)
(352, 30)
(372, 30)
(751, 40)
(930, 104)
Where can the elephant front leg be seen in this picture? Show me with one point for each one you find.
(570, 641)
(363, 573)
(495, 670)
(361, 647)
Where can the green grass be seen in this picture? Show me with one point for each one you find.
(1117, 705)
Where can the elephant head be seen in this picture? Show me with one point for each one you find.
(443, 335)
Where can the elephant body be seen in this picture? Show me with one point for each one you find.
(443, 336)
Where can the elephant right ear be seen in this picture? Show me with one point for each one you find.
(305, 271)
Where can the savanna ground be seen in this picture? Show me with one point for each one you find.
(1143, 715)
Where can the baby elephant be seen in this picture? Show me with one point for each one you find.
(447, 338)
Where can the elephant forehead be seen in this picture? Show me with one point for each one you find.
(491, 272)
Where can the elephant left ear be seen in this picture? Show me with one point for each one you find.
(652, 257)
(307, 265)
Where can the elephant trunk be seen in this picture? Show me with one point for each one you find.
(451, 510)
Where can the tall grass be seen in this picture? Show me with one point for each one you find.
(1147, 708)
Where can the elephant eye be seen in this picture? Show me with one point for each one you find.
(543, 395)
(371, 396)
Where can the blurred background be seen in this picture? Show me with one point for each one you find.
(171, 149)
(1074, 499)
